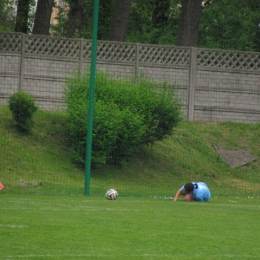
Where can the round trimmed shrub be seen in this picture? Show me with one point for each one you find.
(23, 107)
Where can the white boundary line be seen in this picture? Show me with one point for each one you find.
(171, 256)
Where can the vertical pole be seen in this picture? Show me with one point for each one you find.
(91, 97)
(192, 84)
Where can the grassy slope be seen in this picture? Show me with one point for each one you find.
(188, 155)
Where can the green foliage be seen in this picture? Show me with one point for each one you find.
(127, 116)
(7, 17)
(59, 29)
(105, 15)
(141, 27)
(230, 24)
(156, 103)
(22, 106)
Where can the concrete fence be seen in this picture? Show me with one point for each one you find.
(213, 85)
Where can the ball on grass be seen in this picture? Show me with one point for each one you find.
(111, 194)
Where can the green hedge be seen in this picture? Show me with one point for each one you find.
(23, 107)
(126, 116)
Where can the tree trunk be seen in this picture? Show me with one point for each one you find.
(42, 17)
(77, 18)
(119, 21)
(189, 23)
(21, 24)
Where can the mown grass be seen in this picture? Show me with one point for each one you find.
(65, 227)
(40, 163)
(144, 222)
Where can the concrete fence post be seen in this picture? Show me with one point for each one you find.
(136, 69)
(192, 84)
(80, 61)
(21, 65)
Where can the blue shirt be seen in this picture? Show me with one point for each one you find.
(201, 191)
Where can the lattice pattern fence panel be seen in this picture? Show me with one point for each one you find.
(116, 51)
(228, 59)
(49, 46)
(164, 55)
(10, 42)
(86, 51)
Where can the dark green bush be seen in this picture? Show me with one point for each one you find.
(23, 107)
(126, 116)
(157, 103)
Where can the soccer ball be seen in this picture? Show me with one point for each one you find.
(111, 194)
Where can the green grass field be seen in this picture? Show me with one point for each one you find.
(61, 227)
(45, 215)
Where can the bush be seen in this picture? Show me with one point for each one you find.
(22, 107)
(157, 103)
(126, 117)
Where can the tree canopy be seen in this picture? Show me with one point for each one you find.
(224, 24)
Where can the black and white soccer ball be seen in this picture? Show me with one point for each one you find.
(111, 194)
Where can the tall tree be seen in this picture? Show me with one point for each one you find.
(77, 18)
(42, 17)
(23, 8)
(120, 20)
(189, 23)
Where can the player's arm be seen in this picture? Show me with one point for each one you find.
(178, 193)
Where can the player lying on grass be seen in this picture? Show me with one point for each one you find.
(194, 191)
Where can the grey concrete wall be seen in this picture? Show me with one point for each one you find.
(213, 85)
(227, 96)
